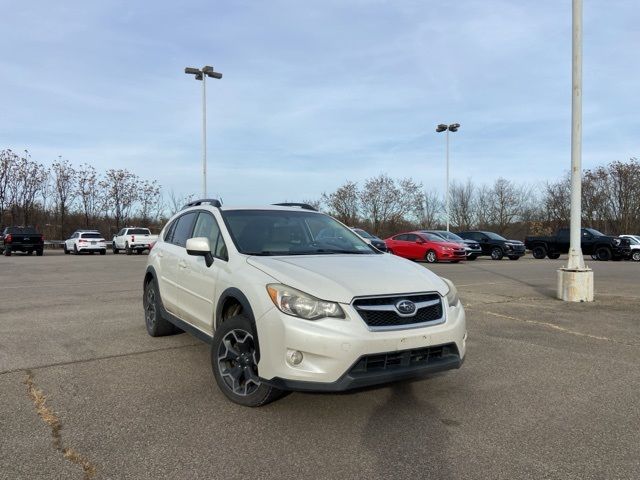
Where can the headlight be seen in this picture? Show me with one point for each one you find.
(617, 241)
(508, 245)
(452, 294)
(299, 304)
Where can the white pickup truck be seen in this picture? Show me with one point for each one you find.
(133, 239)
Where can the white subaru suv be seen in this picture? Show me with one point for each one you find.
(291, 299)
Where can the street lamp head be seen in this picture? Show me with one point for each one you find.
(199, 76)
(213, 74)
(454, 127)
(191, 71)
(441, 128)
(206, 69)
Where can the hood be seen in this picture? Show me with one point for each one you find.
(451, 244)
(339, 278)
(515, 242)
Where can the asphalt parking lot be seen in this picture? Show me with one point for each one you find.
(548, 390)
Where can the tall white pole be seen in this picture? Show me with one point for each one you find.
(204, 136)
(447, 188)
(576, 260)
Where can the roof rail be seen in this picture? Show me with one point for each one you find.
(304, 206)
(211, 201)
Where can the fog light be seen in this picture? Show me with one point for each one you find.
(294, 357)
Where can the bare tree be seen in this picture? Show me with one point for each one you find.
(8, 160)
(149, 198)
(505, 205)
(176, 202)
(121, 191)
(89, 193)
(557, 201)
(64, 189)
(431, 214)
(25, 183)
(462, 208)
(343, 203)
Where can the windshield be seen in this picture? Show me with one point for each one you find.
(449, 236)
(494, 236)
(594, 232)
(22, 230)
(139, 231)
(284, 232)
(432, 237)
(364, 234)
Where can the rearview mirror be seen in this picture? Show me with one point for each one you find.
(199, 247)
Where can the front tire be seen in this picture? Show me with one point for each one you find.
(66, 250)
(431, 257)
(234, 359)
(635, 256)
(603, 254)
(514, 257)
(157, 326)
(127, 249)
(113, 247)
(553, 256)
(497, 254)
(539, 252)
(471, 257)
(39, 253)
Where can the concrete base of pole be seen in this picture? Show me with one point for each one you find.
(575, 285)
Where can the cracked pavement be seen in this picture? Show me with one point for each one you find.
(548, 390)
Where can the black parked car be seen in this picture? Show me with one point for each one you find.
(471, 247)
(21, 239)
(496, 246)
(594, 243)
(371, 239)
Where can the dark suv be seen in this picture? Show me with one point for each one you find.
(494, 245)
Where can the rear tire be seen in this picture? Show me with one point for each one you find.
(127, 249)
(39, 253)
(234, 359)
(113, 247)
(157, 326)
(603, 254)
(539, 252)
(66, 250)
(103, 252)
(431, 257)
(7, 252)
(29, 252)
(553, 256)
(497, 254)
(75, 250)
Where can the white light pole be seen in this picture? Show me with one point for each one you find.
(575, 282)
(447, 128)
(202, 74)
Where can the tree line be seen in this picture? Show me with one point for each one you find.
(384, 205)
(63, 197)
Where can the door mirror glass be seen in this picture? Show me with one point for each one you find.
(199, 247)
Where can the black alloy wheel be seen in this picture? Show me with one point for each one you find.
(604, 253)
(234, 360)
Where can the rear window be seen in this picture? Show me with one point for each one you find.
(22, 230)
(91, 235)
(139, 231)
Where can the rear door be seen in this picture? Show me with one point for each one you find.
(172, 261)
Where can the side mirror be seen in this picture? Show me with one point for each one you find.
(420, 241)
(199, 247)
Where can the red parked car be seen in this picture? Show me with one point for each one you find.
(425, 246)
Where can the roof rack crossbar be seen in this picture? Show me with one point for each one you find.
(304, 206)
(211, 201)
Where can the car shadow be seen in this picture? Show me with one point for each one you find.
(407, 437)
(542, 290)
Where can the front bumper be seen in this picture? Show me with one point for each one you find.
(333, 349)
(515, 252)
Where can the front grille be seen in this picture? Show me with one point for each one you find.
(386, 317)
(404, 358)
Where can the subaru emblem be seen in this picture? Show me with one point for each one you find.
(405, 307)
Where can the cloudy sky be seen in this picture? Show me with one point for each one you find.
(316, 92)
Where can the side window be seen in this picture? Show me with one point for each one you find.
(169, 232)
(183, 229)
(400, 238)
(411, 237)
(221, 248)
(206, 226)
